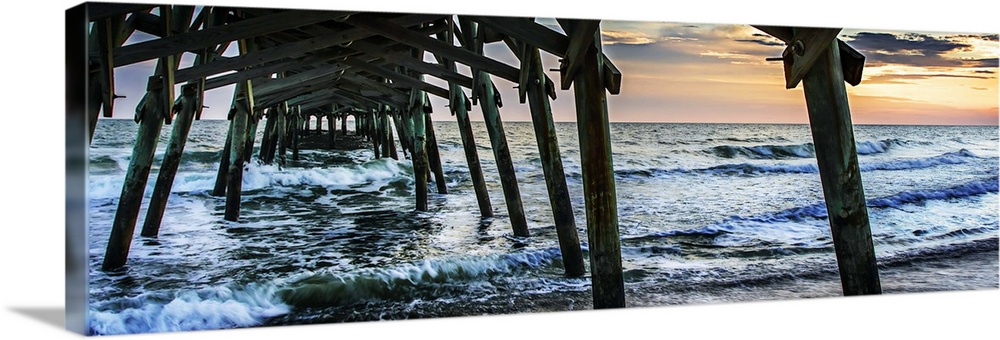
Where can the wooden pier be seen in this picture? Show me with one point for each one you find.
(298, 68)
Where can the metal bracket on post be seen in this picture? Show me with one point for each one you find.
(803, 49)
(852, 61)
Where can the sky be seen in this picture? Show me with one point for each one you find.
(690, 72)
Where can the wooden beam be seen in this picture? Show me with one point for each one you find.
(294, 50)
(397, 96)
(409, 37)
(106, 74)
(852, 63)
(412, 64)
(397, 78)
(582, 38)
(303, 79)
(197, 40)
(534, 34)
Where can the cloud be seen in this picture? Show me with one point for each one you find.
(985, 71)
(763, 39)
(986, 37)
(612, 37)
(979, 88)
(986, 62)
(908, 49)
(902, 78)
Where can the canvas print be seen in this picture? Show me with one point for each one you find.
(254, 167)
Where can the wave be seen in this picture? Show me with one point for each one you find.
(958, 157)
(257, 176)
(916, 196)
(805, 150)
(232, 306)
(818, 211)
(210, 308)
(765, 151)
(402, 282)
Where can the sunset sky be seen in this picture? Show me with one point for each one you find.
(682, 72)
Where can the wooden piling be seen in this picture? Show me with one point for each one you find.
(93, 105)
(171, 161)
(283, 138)
(268, 141)
(405, 142)
(251, 136)
(151, 118)
(376, 133)
(419, 154)
(333, 132)
(498, 139)
(472, 154)
(383, 130)
(501, 152)
(460, 109)
(223, 174)
(552, 167)
(297, 123)
(837, 158)
(598, 179)
(434, 158)
(389, 137)
(234, 186)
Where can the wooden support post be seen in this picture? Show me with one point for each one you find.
(343, 124)
(223, 174)
(283, 140)
(297, 119)
(374, 132)
(505, 166)
(837, 158)
(319, 124)
(303, 124)
(459, 107)
(94, 104)
(267, 141)
(171, 161)
(419, 154)
(251, 136)
(389, 137)
(234, 186)
(405, 140)
(333, 132)
(383, 130)
(490, 105)
(598, 180)
(151, 118)
(472, 153)
(552, 167)
(434, 157)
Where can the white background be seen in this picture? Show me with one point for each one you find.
(32, 190)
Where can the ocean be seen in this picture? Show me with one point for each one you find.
(708, 213)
